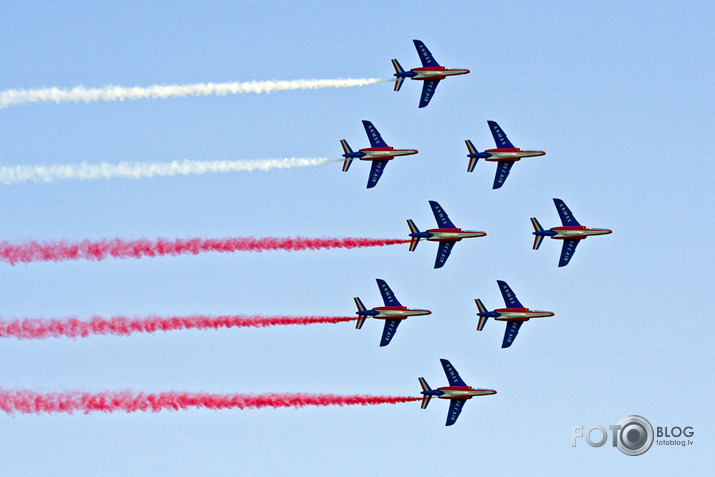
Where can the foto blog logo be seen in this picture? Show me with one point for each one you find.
(633, 435)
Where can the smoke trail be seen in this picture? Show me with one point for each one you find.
(136, 170)
(29, 402)
(122, 325)
(13, 97)
(118, 248)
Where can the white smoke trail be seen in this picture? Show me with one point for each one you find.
(13, 97)
(136, 170)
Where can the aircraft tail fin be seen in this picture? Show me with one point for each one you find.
(537, 228)
(472, 160)
(360, 307)
(482, 319)
(414, 240)
(426, 397)
(400, 79)
(348, 150)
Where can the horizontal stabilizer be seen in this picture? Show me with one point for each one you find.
(472, 160)
(400, 79)
(398, 83)
(412, 226)
(425, 386)
(413, 243)
(425, 401)
(414, 230)
(347, 150)
(358, 303)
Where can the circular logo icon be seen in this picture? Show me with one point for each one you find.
(635, 435)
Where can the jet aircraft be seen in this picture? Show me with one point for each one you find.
(431, 73)
(515, 314)
(393, 312)
(505, 154)
(447, 234)
(457, 392)
(378, 152)
(571, 232)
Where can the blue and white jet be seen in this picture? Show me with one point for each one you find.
(515, 314)
(457, 392)
(505, 154)
(571, 232)
(393, 312)
(378, 152)
(447, 234)
(431, 73)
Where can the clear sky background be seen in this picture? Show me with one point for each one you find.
(619, 94)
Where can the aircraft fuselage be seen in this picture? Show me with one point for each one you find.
(397, 312)
(462, 392)
(520, 314)
(383, 153)
(577, 232)
(436, 72)
(452, 235)
(510, 154)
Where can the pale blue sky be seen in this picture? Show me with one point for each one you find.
(619, 94)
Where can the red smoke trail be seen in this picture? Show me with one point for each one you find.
(122, 325)
(118, 248)
(29, 402)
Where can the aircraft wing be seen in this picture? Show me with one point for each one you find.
(387, 296)
(567, 218)
(375, 173)
(425, 56)
(452, 374)
(445, 248)
(389, 331)
(567, 251)
(455, 407)
(509, 297)
(373, 135)
(503, 169)
(512, 329)
(441, 216)
(428, 88)
(499, 136)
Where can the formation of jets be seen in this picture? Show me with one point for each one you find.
(446, 234)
